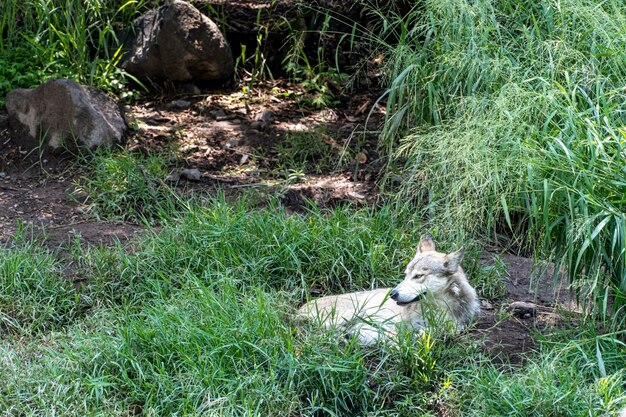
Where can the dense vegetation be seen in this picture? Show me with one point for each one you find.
(510, 117)
(198, 320)
(505, 116)
(81, 40)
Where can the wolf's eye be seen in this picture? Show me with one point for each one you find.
(417, 276)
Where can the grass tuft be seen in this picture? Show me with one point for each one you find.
(126, 186)
(35, 297)
(569, 377)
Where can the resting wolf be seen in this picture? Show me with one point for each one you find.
(434, 289)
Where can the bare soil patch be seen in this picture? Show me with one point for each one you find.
(507, 335)
(263, 139)
(36, 194)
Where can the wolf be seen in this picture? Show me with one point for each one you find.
(435, 290)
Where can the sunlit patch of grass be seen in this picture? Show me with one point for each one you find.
(126, 186)
(583, 374)
(329, 251)
(215, 347)
(198, 318)
(35, 297)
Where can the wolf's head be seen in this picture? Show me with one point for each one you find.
(429, 271)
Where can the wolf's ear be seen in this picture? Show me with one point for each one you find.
(453, 260)
(426, 244)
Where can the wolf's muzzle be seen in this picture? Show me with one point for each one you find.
(395, 294)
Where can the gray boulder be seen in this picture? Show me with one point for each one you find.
(177, 42)
(61, 114)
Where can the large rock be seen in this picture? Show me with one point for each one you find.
(62, 113)
(177, 42)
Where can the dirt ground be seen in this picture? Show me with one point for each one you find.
(234, 140)
(231, 138)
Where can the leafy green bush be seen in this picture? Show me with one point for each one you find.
(64, 38)
(19, 68)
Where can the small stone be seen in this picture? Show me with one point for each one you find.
(244, 159)
(189, 149)
(192, 174)
(356, 195)
(300, 127)
(180, 104)
(190, 89)
(265, 116)
(486, 305)
(328, 115)
(173, 177)
(523, 309)
(262, 120)
(3, 174)
(218, 114)
(233, 143)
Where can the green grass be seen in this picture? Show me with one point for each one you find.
(125, 186)
(579, 373)
(35, 295)
(512, 112)
(337, 251)
(577, 208)
(506, 120)
(488, 280)
(80, 40)
(308, 153)
(197, 318)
